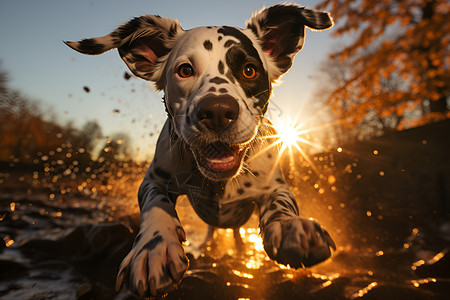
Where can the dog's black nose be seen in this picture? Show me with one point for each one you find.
(217, 113)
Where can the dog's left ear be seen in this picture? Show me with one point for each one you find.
(281, 31)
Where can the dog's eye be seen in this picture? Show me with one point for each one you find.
(249, 71)
(185, 71)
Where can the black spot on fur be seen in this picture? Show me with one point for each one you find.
(253, 28)
(172, 31)
(317, 227)
(219, 38)
(229, 43)
(293, 207)
(230, 77)
(165, 277)
(156, 232)
(294, 203)
(137, 239)
(273, 206)
(153, 243)
(283, 203)
(276, 215)
(269, 155)
(261, 102)
(218, 80)
(240, 191)
(208, 45)
(163, 174)
(247, 184)
(129, 28)
(89, 46)
(256, 173)
(221, 67)
(212, 89)
(237, 57)
(223, 91)
(279, 180)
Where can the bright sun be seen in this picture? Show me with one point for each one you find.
(291, 136)
(288, 134)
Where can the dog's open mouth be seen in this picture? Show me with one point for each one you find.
(221, 159)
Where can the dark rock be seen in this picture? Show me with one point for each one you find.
(10, 270)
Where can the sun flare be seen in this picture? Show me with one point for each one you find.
(289, 134)
(292, 136)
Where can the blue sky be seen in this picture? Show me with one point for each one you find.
(42, 68)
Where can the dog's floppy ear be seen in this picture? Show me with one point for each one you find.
(281, 31)
(142, 43)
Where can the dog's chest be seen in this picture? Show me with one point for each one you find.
(215, 207)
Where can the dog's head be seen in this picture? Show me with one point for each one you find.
(217, 80)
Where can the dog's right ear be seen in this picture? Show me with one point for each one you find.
(143, 44)
(280, 30)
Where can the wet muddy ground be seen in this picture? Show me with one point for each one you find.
(69, 247)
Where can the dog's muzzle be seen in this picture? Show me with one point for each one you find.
(221, 158)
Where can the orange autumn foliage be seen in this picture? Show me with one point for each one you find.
(396, 61)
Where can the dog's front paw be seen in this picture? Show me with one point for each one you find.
(155, 264)
(297, 242)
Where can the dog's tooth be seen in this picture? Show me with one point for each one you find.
(221, 160)
(229, 159)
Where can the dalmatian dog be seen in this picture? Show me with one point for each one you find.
(215, 146)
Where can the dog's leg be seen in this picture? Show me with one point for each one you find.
(288, 238)
(157, 262)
